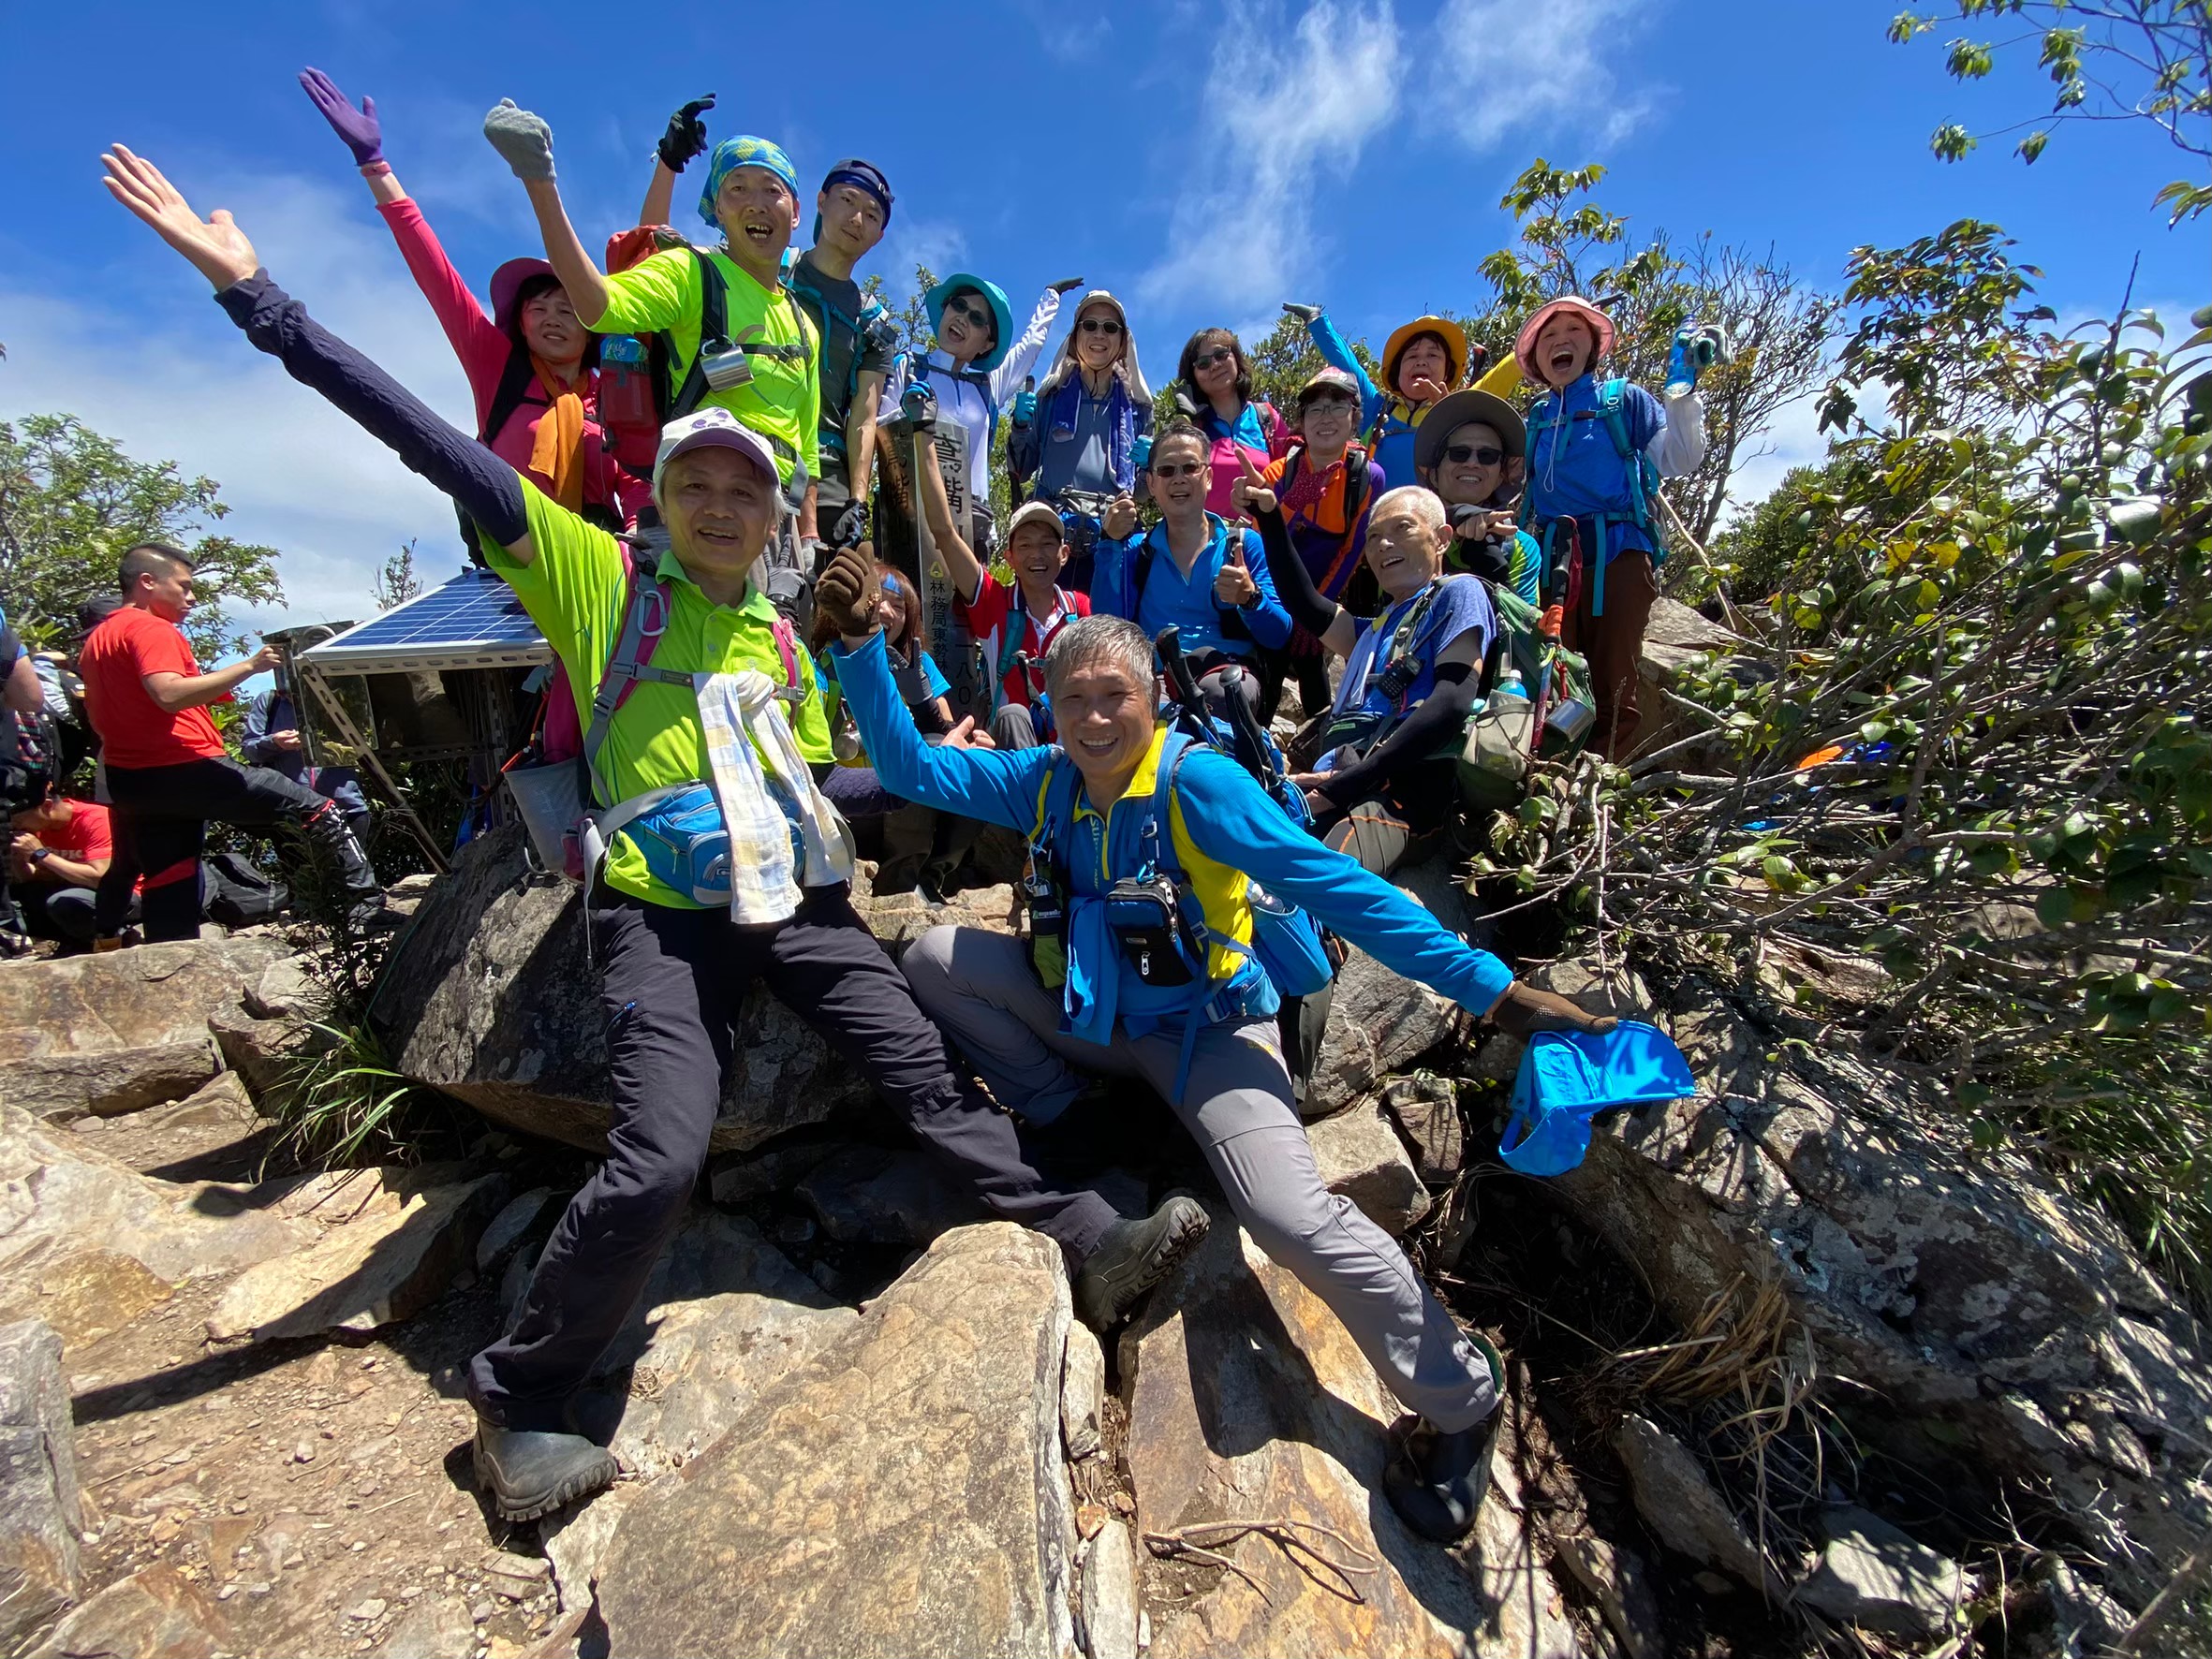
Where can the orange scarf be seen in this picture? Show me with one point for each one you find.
(556, 449)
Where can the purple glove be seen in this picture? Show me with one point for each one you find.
(358, 127)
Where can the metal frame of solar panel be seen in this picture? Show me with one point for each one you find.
(472, 621)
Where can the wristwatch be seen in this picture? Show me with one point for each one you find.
(40, 854)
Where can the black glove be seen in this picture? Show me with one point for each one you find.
(1065, 284)
(919, 404)
(845, 593)
(686, 136)
(1524, 1010)
(852, 527)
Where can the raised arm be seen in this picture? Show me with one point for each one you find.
(1338, 353)
(680, 146)
(961, 563)
(1680, 443)
(1022, 356)
(524, 142)
(998, 787)
(484, 486)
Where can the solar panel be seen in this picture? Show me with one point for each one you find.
(473, 621)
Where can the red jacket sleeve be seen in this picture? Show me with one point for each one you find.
(476, 339)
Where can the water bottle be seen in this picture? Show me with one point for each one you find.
(1507, 715)
(626, 404)
(1507, 691)
(1682, 376)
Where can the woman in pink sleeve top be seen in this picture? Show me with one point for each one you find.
(531, 366)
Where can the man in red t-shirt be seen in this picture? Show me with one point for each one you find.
(1014, 625)
(167, 770)
(60, 850)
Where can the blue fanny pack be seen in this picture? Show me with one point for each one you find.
(685, 844)
(1567, 1078)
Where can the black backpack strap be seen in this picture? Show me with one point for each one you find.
(515, 381)
(713, 335)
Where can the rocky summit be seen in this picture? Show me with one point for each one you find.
(852, 1415)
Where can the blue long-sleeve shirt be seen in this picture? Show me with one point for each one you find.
(1225, 830)
(272, 711)
(1169, 599)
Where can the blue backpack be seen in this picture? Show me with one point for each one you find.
(1287, 942)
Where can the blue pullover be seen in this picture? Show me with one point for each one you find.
(1189, 607)
(1225, 829)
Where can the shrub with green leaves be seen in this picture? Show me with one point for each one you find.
(1970, 735)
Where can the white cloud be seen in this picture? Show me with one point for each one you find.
(1283, 106)
(144, 357)
(1507, 66)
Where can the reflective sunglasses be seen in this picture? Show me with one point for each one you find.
(1187, 470)
(1099, 325)
(1460, 454)
(1208, 360)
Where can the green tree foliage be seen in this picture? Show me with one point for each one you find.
(397, 583)
(1993, 604)
(2107, 60)
(1569, 243)
(72, 502)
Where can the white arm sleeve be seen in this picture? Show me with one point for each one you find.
(1006, 379)
(1680, 443)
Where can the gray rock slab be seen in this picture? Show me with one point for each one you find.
(120, 1031)
(903, 1491)
(40, 1511)
(1361, 1156)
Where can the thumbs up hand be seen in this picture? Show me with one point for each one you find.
(1234, 584)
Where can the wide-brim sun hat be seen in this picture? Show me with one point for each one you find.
(1034, 512)
(1002, 312)
(712, 427)
(506, 282)
(1452, 335)
(1449, 414)
(1524, 342)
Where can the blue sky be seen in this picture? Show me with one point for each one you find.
(1205, 162)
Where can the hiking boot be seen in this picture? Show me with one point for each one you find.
(530, 1473)
(1437, 1481)
(1133, 1257)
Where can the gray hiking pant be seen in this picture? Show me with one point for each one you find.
(1237, 1106)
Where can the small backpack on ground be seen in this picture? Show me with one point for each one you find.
(236, 893)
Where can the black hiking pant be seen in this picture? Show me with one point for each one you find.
(672, 981)
(161, 818)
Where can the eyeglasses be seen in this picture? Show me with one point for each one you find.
(1188, 470)
(977, 315)
(1331, 400)
(1099, 325)
(1208, 360)
(1460, 454)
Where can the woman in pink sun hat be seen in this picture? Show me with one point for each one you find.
(1597, 450)
(532, 367)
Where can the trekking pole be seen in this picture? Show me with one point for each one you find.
(1181, 681)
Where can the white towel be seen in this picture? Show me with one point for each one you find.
(765, 788)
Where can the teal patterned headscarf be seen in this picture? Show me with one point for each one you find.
(744, 151)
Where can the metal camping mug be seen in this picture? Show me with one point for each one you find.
(726, 370)
(1571, 718)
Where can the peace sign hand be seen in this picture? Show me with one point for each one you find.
(1249, 494)
(217, 247)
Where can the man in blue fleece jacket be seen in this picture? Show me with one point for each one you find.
(1210, 1047)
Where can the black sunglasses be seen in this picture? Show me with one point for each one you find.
(1099, 325)
(977, 315)
(1460, 454)
(1211, 358)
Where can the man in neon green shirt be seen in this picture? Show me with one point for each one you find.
(673, 977)
(772, 380)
